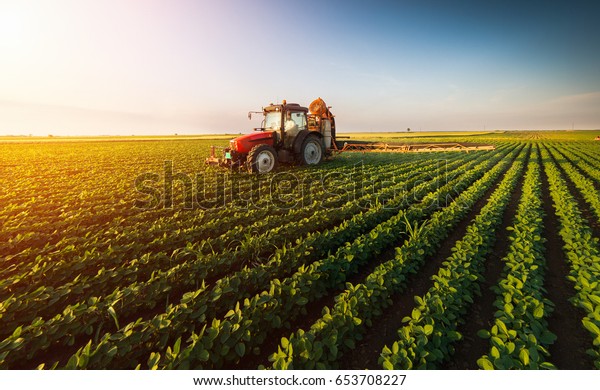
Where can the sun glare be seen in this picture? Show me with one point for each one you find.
(13, 27)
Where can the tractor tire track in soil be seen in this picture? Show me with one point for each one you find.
(384, 330)
(481, 313)
(569, 350)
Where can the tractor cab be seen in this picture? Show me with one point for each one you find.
(286, 120)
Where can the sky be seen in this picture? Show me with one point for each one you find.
(123, 67)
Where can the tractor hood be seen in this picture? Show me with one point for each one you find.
(245, 143)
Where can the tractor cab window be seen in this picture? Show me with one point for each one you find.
(273, 120)
(296, 119)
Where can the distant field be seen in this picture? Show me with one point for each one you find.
(479, 135)
(376, 136)
(117, 138)
(134, 254)
(418, 134)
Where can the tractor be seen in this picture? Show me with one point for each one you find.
(293, 134)
(289, 134)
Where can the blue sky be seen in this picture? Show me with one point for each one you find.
(159, 67)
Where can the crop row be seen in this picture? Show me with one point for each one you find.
(520, 337)
(585, 152)
(582, 183)
(582, 252)
(87, 315)
(247, 326)
(359, 305)
(94, 311)
(429, 334)
(112, 247)
(78, 203)
(579, 153)
(227, 292)
(228, 225)
(47, 300)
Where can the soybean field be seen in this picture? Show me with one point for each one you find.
(128, 253)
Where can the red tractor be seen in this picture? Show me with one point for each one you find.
(289, 134)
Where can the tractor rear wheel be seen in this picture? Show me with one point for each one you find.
(311, 151)
(262, 159)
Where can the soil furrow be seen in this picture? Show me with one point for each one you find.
(481, 314)
(568, 351)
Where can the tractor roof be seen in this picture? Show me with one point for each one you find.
(285, 106)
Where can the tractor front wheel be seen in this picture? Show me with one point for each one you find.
(262, 159)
